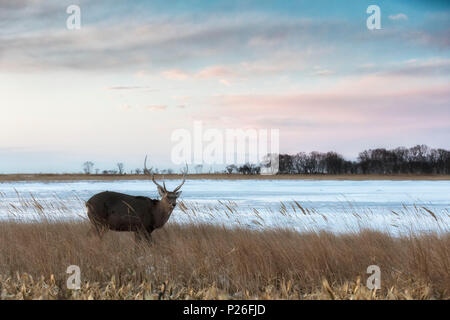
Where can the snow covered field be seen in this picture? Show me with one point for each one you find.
(395, 206)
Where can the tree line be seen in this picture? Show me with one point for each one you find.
(88, 168)
(420, 159)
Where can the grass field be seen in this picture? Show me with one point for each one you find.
(210, 262)
(75, 177)
(195, 260)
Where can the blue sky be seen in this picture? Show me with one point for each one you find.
(136, 71)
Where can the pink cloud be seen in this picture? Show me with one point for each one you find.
(175, 74)
(125, 107)
(160, 107)
(216, 72)
(350, 114)
(226, 74)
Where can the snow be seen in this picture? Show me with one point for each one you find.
(333, 205)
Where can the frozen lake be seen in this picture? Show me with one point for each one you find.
(396, 206)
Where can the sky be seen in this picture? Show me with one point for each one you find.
(136, 71)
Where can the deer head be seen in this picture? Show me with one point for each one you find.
(167, 197)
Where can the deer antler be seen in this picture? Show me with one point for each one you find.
(184, 179)
(153, 176)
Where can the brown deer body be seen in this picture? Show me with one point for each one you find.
(122, 212)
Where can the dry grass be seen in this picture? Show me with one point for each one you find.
(76, 177)
(210, 262)
(202, 261)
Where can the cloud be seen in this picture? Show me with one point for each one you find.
(227, 74)
(398, 16)
(180, 42)
(125, 107)
(221, 73)
(210, 72)
(377, 102)
(215, 72)
(175, 74)
(437, 67)
(15, 4)
(156, 108)
(322, 72)
(127, 88)
(225, 82)
(420, 68)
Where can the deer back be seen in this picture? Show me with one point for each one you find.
(118, 209)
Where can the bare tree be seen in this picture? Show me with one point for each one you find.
(199, 168)
(87, 167)
(231, 168)
(120, 167)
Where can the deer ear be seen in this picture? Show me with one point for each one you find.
(178, 193)
(161, 191)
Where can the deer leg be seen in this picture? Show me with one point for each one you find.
(148, 237)
(90, 231)
(137, 241)
(139, 236)
(101, 232)
(143, 234)
(97, 230)
(148, 233)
